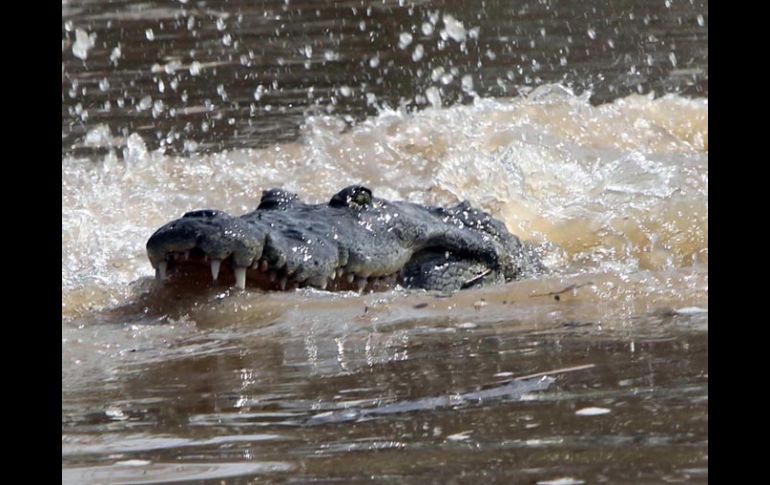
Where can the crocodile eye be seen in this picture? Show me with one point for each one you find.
(363, 197)
(355, 196)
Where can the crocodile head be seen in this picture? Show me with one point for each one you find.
(356, 241)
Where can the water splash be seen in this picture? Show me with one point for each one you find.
(616, 187)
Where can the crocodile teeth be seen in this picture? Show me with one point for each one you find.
(240, 277)
(340, 272)
(215, 264)
(350, 277)
(263, 265)
(273, 275)
(319, 282)
(186, 255)
(361, 284)
(282, 283)
(160, 271)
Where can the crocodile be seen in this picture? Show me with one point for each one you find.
(354, 242)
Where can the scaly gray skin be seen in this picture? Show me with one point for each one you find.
(356, 241)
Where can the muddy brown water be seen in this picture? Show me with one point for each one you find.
(539, 112)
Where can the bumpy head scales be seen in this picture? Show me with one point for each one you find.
(354, 242)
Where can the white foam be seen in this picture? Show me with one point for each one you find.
(617, 187)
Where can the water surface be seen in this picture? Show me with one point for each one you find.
(584, 127)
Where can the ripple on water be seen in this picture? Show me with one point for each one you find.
(143, 472)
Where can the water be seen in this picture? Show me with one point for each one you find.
(227, 74)
(583, 127)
